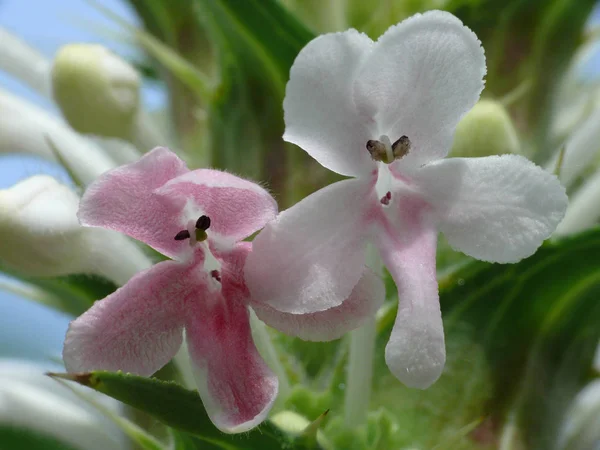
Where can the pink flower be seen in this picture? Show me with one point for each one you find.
(385, 113)
(197, 218)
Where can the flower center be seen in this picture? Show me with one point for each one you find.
(383, 150)
(196, 231)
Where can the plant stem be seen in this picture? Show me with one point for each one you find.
(360, 365)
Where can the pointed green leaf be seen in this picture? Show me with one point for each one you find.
(178, 408)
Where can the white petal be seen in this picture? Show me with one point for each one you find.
(320, 115)
(310, 258)
(422, 76)
(366, 298)
(497, 208)
(25, 127)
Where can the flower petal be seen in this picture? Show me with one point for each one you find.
(123, 200)
(310, 258)
(497, 208)
(364, 301)
(237, 207)
(320, 116)
(422, 76)
(138, 328)
(416, 352)
(236, 385)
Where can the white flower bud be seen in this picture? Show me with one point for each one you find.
(41, 235)
(29, 400)
(97, 91)
(581, 428)
(485, 130)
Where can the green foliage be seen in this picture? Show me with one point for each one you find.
(19, 439)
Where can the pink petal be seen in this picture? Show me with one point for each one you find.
(420, 78)
(122, 200)
(364, 301)
(416, 351)
(237, 207)
(138, 328)
(236, 385)
(310, 258)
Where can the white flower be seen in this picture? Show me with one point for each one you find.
(385, 113)
(41, 235)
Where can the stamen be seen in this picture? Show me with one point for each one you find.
(182, 235)
(384, 151)
(385, 200)
(401, 147)
(203, 223)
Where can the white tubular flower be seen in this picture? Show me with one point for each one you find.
(30, 400)
(23, 62)
(581, 428)
(25, 128)
(583, 211)
(41, 235)
(97, 91)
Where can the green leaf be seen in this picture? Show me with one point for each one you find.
(12, 438)
(520, 341)
(178, 408)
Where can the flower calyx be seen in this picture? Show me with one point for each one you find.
(383, 150)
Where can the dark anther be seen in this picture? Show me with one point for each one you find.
(385, 200)
(376, 150)
(183, 234)
(401, 147)
(203, 223)
(216, 275)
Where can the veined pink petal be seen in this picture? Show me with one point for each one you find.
(421, 77)
(237, 207)
(122, 199)
(497, 208)
(236, 386)
(320, 115)
(138, 328)
(416, 351)
(364, 301)
(310, 258)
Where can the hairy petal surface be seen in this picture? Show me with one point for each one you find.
(416, 351)
(138, 328)
(237, 207)
(310, 258)
(364, 301)
(320, 115)
(122, 199)
(236, 386)
(422, 76)
(497, 208)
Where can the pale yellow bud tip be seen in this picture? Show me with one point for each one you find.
(485, 130)
(97, 91)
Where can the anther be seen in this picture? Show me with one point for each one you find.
(203, 223)
(377, 150)
(182, 235)
(401, 147)
(385, 200)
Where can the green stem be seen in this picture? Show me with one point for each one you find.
(360, 361)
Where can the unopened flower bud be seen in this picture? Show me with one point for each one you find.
(41, 235)
(97, 91)
(581, 427)
(485, 130)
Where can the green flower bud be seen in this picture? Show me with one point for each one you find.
(485, 130)
(98, 92)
